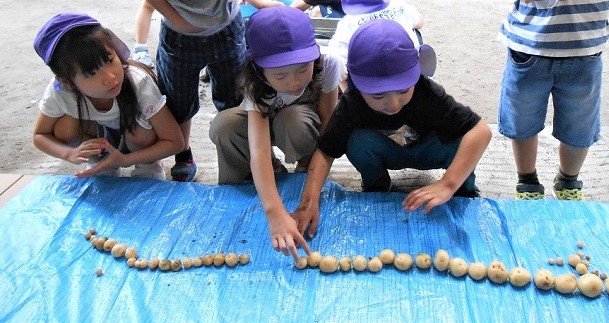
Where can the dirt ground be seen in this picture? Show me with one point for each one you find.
(470, 65)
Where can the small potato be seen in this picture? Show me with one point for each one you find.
(573, 260)
(422, 260)
(244, 259)
(187, 263)
(176, 265)
(231, 259)
(457, 267)
(375, 264)
(164, 265)
(519, 277)
(344, 263)
(580, 244)
(154, 263)
(99, 243)
(208, 259)
(131, 252)
(301, 263)
(360, 263)
(565, 283)
(387, 256)
(314, 258)
(131, 262)
(590, 285)
(544, 279)
(496, 272)
(551, 261)
(98, 272)
(402, 261)
(219, 259)
(477, 271)
(118, 250)
(141, 263)
(328, 264)
(109, 244)
(581, 268)
(92, 230)
(88, 235)
(559, 261)
(197, 262)
(441, 260)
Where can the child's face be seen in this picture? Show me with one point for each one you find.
(388, 102)
(105, 83)
(291, 79)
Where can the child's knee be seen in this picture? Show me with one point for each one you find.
(140, 138)
(67, 129)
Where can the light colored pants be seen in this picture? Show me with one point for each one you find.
(294, 130)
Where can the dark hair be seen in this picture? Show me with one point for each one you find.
(85, 49)
(257, 89)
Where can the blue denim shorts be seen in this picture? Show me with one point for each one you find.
(180, 59)
(573, 83)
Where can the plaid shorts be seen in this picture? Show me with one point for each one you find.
(180, 58)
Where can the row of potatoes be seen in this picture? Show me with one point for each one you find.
(120, 250)
(588, 284)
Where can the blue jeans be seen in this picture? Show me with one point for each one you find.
(373, 153)
(180, 59)
(574, 84)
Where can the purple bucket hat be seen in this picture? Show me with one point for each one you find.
(382, 58)
(281, 36)
(360, 7)
(51, 32)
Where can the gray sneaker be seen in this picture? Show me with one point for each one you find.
(141, 54)
(152, 170)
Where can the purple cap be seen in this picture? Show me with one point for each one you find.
(360, 7)
(51, 32)
(281, 36)
(382, 58)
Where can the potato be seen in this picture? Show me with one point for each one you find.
(131, 252)
(477, 271)
(581, 268)
(314, 258)
(244, 259)
(231, 259)
(497, 272)
(519, 277)
(565, 283)
(344, 264)
(375, 265)
(360, 263)
(387, 256)
(219, 259)
(208, 259)
(328, 264)
(164, 265)
(441, 260)
(154, 263)
(457, 266)
(176, 265)
(187, 262)
(590, 285)
(402, 261)
(118, 250)
(422, 261)
(544, 279)
(573, 260)
(109, 244)
(301, 263)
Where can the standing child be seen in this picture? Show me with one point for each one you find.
(392, 117)
(196, 35)
(290, 92)
(554, 49)
(96, 93)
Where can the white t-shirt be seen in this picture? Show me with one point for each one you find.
(330, 76)
(57, 103)
(406, 15)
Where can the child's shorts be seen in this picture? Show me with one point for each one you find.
(574, 84)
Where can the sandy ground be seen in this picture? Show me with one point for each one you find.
(470, 64)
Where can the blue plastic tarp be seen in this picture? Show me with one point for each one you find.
(47, 267)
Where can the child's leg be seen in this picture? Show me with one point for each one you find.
(142, 29)
(67, 130)
(142, 138)
(228, 131)
(373, 153)
(295, 131)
